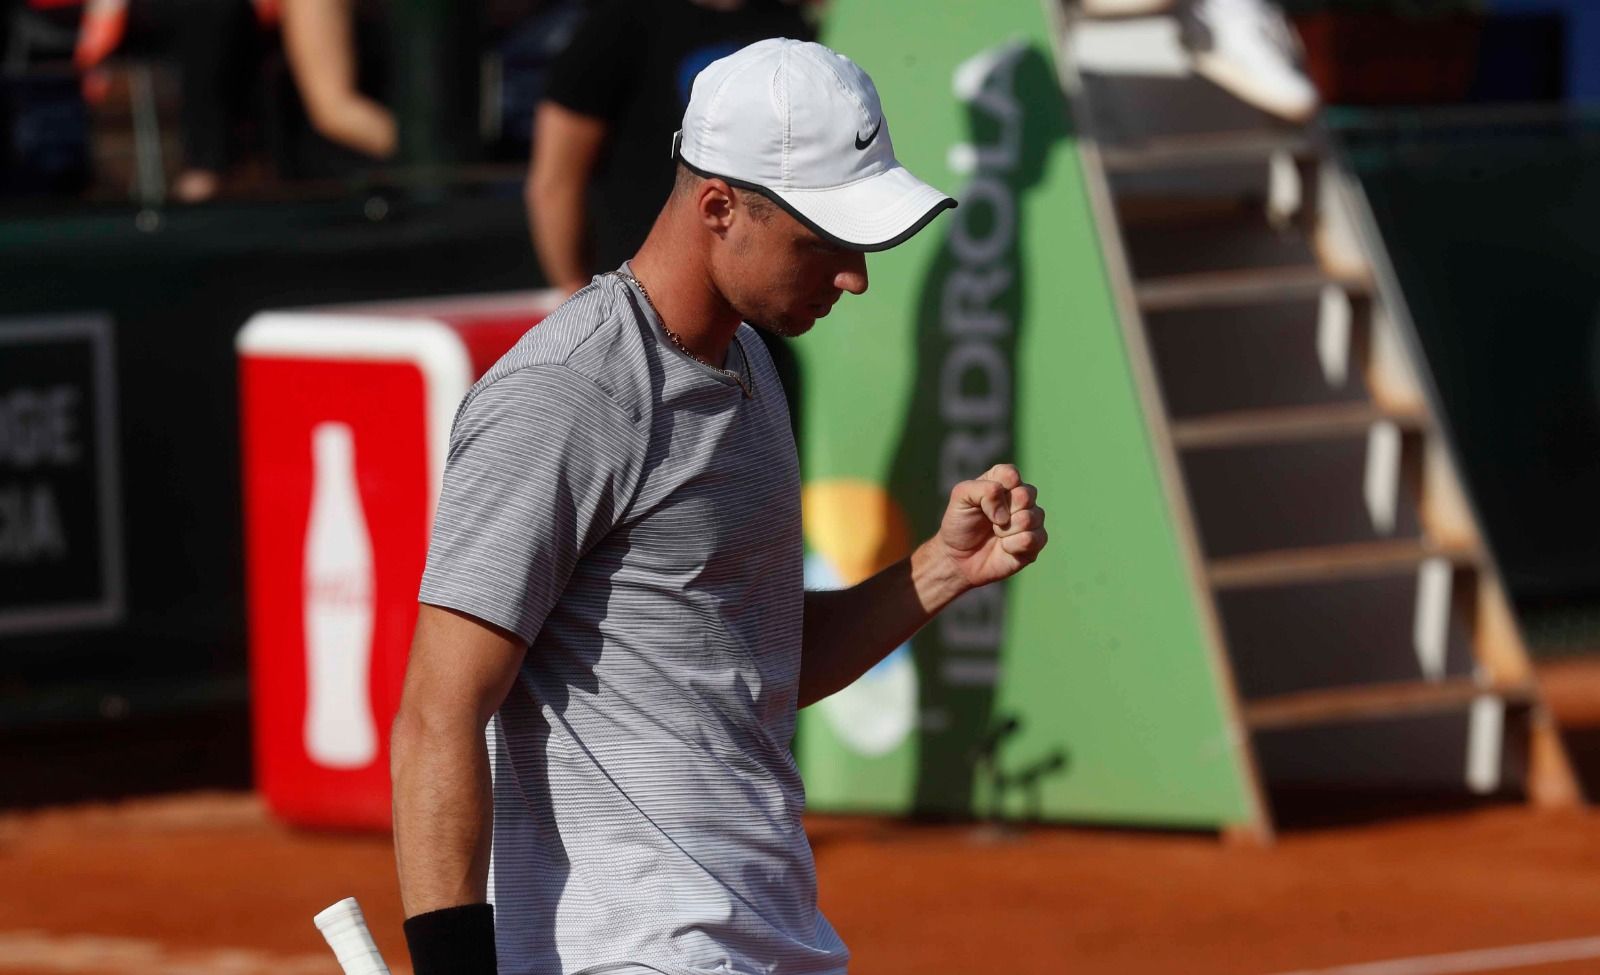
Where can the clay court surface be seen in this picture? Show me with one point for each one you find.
(207, 883)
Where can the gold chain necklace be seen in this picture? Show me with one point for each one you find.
(748, 386)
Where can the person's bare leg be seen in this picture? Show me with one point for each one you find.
(319, 40)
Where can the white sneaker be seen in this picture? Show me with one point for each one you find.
(1248, 49)
(1124, 8)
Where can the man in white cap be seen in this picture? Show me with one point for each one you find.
(614, 580)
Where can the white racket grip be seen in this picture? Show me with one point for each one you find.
(346, 932)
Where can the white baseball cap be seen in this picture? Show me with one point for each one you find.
(802, 124)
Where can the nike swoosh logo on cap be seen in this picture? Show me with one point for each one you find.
(863, 143)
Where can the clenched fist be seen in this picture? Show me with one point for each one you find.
(993, 526)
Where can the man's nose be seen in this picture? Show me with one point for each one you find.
(853, 276)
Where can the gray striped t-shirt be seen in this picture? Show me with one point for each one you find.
(635, 518)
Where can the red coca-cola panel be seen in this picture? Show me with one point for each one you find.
(285, 402)
(345, 421)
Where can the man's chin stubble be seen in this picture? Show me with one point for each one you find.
(786, 329)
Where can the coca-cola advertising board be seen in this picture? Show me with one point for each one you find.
(346, 418)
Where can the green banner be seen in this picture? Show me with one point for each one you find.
(1082, 689)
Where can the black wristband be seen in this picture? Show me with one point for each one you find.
(452, 941)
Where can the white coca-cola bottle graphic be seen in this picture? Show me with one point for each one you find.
(339, 731)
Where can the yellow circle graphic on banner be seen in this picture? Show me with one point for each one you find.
(856, 529)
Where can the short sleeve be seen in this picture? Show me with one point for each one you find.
(542, 464)
(595, 73)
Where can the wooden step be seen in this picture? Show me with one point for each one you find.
(1215, 215)
(1326, 421)
(1373, 701)
(1129, 104)
(1242, 287)
(1327, 563)
(1201, 149)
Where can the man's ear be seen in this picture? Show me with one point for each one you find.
(714, 205)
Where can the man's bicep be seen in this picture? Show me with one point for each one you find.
(460, 666)
(566, 142)
(541, 464)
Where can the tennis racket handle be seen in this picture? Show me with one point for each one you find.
(346, 932)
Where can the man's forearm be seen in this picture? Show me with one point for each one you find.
(442, 815)
(556, 220)
(849, 630)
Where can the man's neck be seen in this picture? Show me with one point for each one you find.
(680, 288)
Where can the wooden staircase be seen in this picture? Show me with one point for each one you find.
(1348, 592)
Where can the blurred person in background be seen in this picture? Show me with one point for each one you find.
(600, 167)
(44, 124)
(216, 45)
(526, 38)
(325, 41)
(1245, 47)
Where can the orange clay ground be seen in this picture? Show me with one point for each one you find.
(205, 883)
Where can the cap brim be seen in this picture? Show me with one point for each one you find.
(872, 214)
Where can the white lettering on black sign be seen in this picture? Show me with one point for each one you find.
(30, 526)
(37, 429)
(59, 527)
